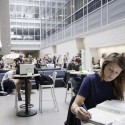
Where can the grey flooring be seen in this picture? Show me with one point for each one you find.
(49, 116)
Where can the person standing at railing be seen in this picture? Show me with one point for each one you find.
(60, 61)
(104, 55)
(65, 61)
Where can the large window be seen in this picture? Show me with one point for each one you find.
(77, 15)
(60, 15)
(68, 21)
(77, 4)
(24, 13)
(104, 2)
(67, 7)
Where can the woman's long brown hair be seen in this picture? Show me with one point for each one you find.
(119, 82)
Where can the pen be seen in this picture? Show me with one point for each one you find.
(84, 106)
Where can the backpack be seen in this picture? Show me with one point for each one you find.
(43, 80)
(46, 80)
(8, 86)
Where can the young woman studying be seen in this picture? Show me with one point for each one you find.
(96, 88)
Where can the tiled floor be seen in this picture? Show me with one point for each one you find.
(48, 117)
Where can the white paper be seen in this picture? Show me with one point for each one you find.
(108, 112)
(120, 121)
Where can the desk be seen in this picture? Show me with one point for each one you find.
(26, 112)
(72, 73)
(82, 74)
(87, 123)
(96, 70)
(75, 79)
(78, 72)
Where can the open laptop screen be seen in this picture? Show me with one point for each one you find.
(26, 68)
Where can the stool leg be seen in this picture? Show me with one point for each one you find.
(66, 92)
(16, 101)
(40, 98)
(55, 98)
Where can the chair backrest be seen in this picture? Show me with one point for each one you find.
(54, 77)
(60, 73)
(48, 73)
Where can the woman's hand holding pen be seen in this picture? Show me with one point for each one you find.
(82, 113)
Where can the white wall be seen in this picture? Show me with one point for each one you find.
(110, 40)
(48, 50)
(109, 50)
(94, 53)
(69, 46)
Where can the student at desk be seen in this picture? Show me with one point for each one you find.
(76, 80)
(96, 88)
(19, 82)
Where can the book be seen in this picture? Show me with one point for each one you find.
(113, 106)
(107, 112)
(120, 121)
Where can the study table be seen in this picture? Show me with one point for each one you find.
(81, 74)
(26, 112)
(72, 72)
(76, 78)
(87, 123)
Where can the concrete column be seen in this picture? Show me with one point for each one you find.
(5, 27)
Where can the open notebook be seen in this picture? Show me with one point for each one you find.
(107, 112)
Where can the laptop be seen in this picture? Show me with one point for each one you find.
(27, 69)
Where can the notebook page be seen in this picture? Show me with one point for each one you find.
(102, 117)
(114, 106)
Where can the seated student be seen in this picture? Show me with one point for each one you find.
(19, 82)
(8, 82)
(42, 79)
(75, 80)
(74, 64)
(96, 88)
